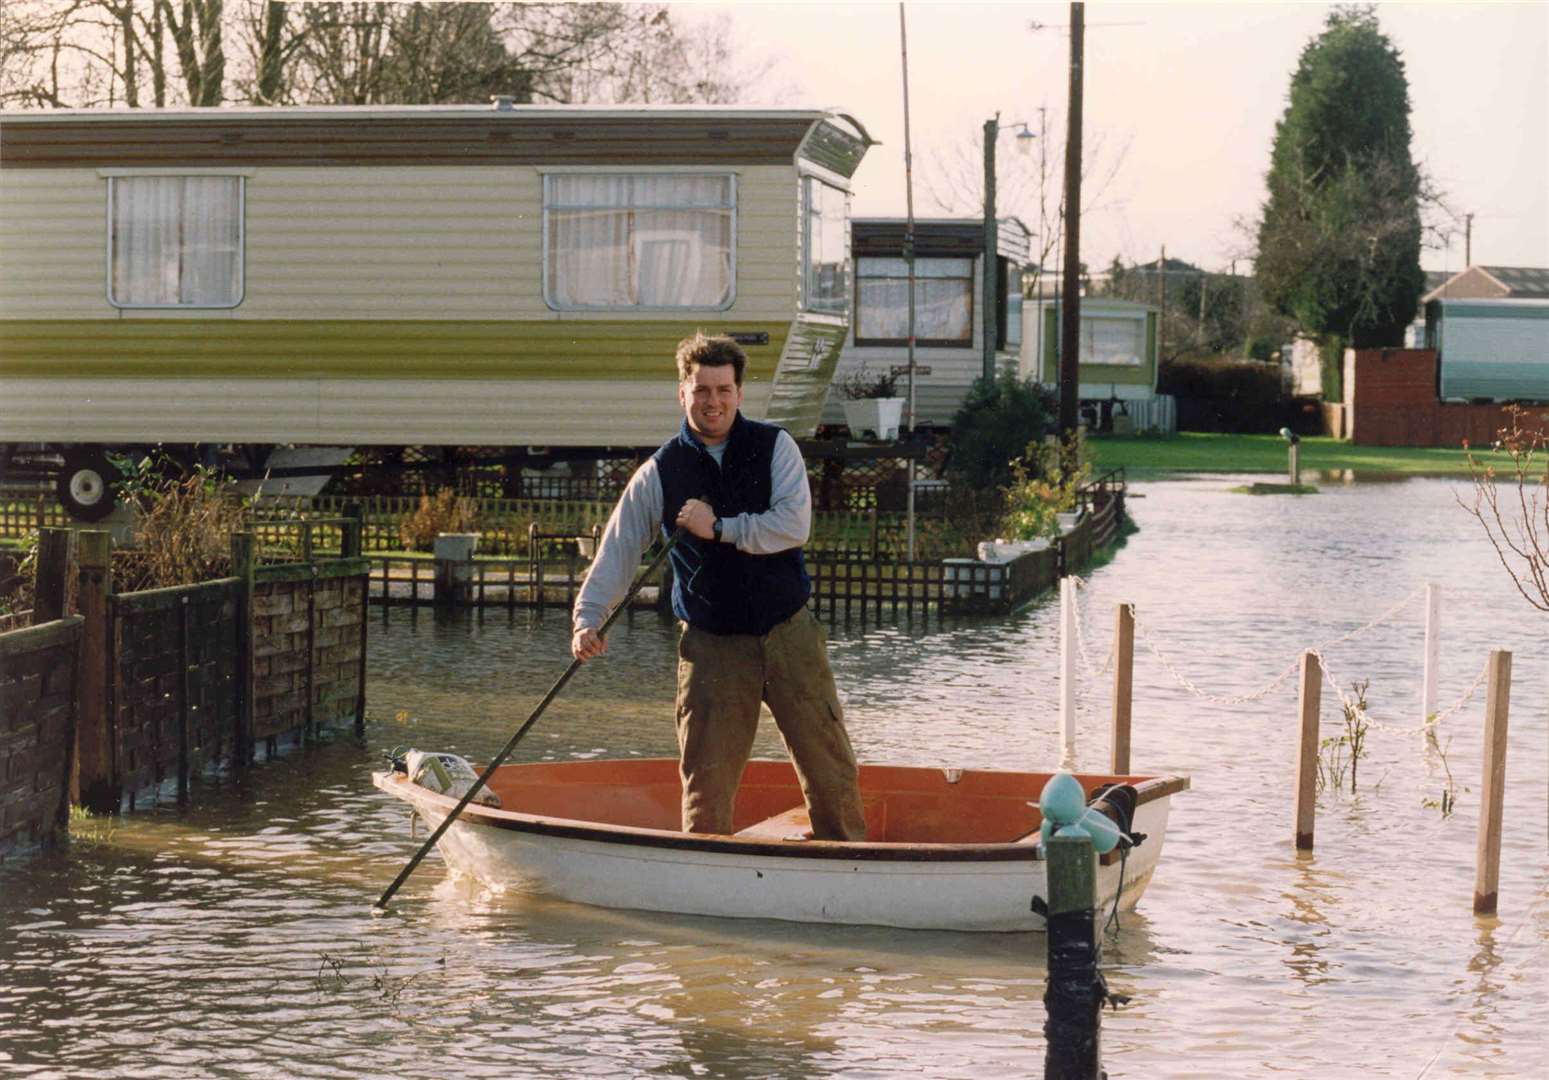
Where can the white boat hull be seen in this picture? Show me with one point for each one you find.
(802, 881)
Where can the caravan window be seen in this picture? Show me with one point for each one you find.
(639, 240)
(825, 240)
(943, 301)
(175, 241)
(1113, 339)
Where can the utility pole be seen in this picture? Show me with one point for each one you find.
(987, 309)
(903, 53)
(1468, 240)
(1070, 300)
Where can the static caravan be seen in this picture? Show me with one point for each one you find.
(949, 312)
(1118, 360)
(511, 276)
(1490, 350)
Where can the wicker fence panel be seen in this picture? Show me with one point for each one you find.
(175, 683)
(307, 652)
(37, 732)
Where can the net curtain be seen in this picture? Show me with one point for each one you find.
(640, 241)
(176, 240)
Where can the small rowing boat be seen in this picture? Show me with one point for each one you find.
(945, 849)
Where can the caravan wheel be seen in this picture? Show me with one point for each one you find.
(84, 484)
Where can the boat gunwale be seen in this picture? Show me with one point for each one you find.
(1149, 790)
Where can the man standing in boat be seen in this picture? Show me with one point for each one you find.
(738, 489)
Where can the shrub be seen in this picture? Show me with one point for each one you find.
(1236, 396)
(998, 420)
(183, 526)
(1045, 485)
(443, 512)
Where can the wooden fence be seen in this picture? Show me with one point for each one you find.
(167, 684)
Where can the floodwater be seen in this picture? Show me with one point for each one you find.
(235, 939)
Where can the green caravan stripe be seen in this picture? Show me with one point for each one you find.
(361, 348)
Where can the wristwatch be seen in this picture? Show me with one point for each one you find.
(715, 530)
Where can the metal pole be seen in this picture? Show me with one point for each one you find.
(903, 46)
(1070, 300)
(987, 321)
(1067, 673)
(1432, 650)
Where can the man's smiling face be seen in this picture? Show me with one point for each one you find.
(710, 398)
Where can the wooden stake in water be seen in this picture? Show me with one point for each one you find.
(1307, 751)
(1067, 672)
(1492, 795)
(1123, 686)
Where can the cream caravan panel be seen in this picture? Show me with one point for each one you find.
(536, 412)
(164, 410)
(449, 243)
(358, 242)
(345, 411)
(53, 244)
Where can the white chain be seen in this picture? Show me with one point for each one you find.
(1290, 669)
(1092, 672)
(1431, 723)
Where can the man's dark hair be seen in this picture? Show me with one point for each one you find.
(717, 351)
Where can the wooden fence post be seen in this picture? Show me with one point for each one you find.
(96, 748)
(352, 546)
(1073, 1001)
(1492, 796)
(1307, 757)
(184, 702)
(1123, 686)
(352, 542)
(244, 562)
(50, 580)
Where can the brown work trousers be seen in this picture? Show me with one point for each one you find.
(721, 680)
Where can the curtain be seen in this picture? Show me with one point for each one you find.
(943, 299)
(650, 240)
(177, 240)
(1118, 341)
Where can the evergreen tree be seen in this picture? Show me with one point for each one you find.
(1339, 239)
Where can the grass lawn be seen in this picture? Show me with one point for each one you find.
(1204, 453)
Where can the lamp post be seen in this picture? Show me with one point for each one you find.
(1294, 442)
(990, 276)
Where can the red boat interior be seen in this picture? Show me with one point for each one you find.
(903, 805)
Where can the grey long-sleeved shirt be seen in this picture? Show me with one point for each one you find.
(638, 516)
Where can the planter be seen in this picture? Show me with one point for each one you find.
(874, 418)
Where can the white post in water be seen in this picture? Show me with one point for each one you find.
(1067, 672)
(1432, 650)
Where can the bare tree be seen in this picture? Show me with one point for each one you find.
(166, 52)
(1516, 521)
(89, 53)
(1027, 186)
(656, 56)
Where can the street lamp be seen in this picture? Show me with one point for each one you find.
(1294, 442)
(988, 321)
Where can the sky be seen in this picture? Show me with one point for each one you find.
(1183, 97)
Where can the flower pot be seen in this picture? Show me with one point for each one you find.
(874, 418)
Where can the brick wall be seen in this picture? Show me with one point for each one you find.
(1393, 402)
(306, 635)
(37, 732)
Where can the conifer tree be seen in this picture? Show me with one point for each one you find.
(1339, 237)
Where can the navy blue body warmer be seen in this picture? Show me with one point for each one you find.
(715, 587)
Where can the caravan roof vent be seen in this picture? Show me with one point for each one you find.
(503, 102)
